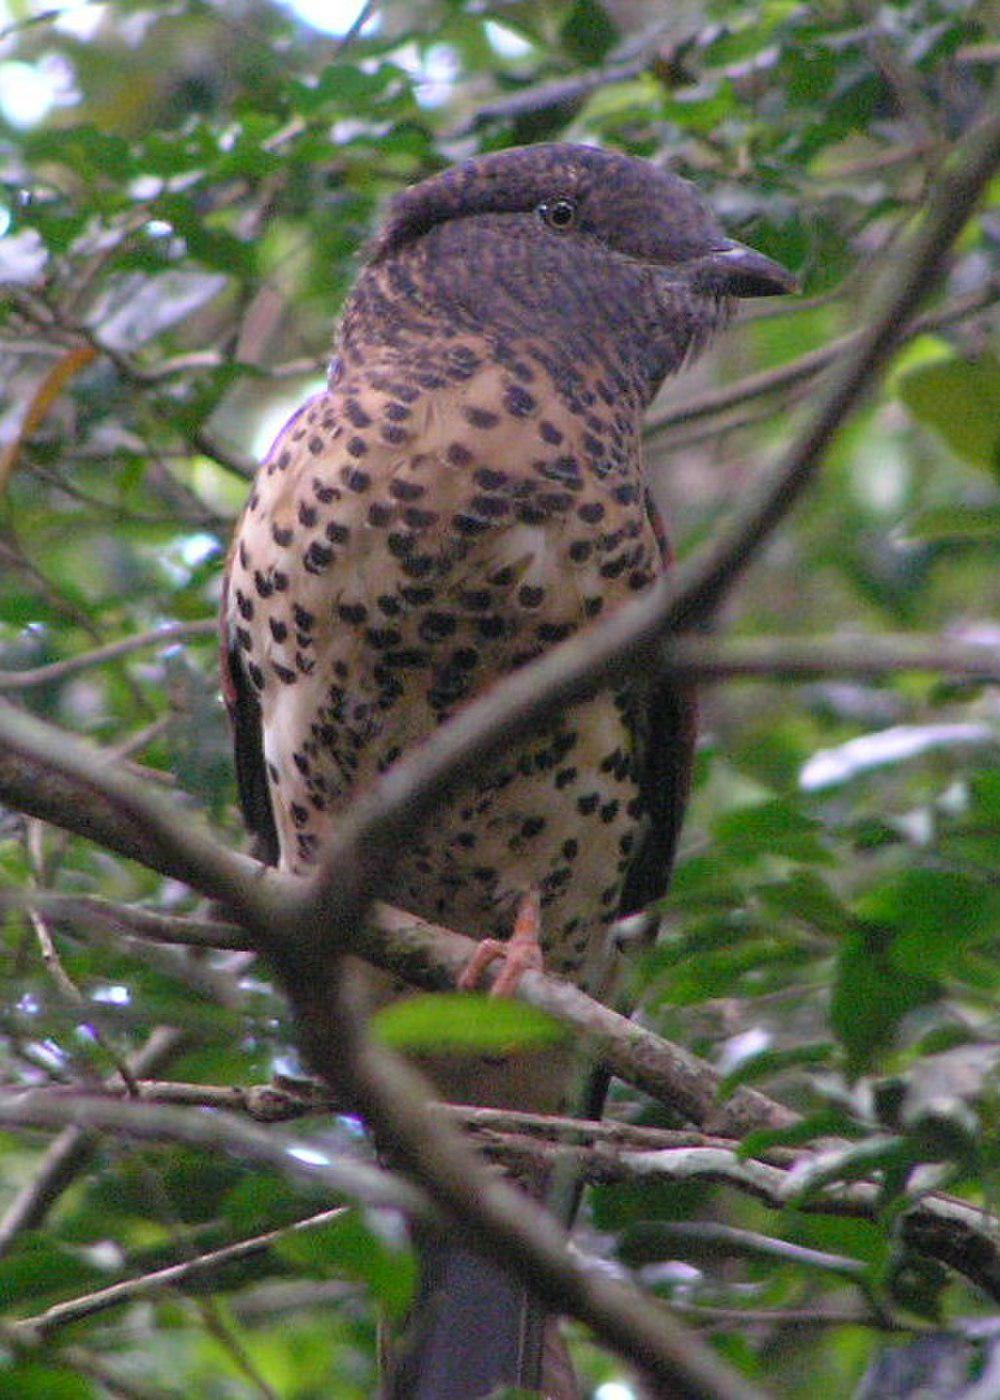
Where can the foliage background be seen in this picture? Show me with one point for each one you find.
(180, 228)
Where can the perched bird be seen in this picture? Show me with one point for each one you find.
(466, 493)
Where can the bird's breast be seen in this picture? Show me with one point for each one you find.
(405, 546)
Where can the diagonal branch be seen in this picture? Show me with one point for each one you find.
(808, 366)
(189, 1271)
(59, 670)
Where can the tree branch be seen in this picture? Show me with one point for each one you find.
(47, 773)
(808, 366)
(195, 1270)
(216, 1132)
(85, 912)
(743, 1319)
(59, 670)
(945, 1227)
(428, 956)
(708, 660)
(66, 1157)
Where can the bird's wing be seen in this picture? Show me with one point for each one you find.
(669, 724)
(667, 730)
(248, 739)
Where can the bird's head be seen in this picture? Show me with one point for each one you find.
(585, 196)
(596, 252)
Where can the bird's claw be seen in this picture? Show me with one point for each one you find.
(520, 954)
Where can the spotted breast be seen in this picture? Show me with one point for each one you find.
(412, 537)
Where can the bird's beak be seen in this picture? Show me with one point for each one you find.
(732, 269)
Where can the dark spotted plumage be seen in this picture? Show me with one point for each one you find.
(466, 493)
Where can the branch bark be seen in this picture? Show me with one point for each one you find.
(807, 367)
(430, 957)
(99, 656)
(188, 1271)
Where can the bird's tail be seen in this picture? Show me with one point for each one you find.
(475, 1330)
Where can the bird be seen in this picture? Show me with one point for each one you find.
(466, 492)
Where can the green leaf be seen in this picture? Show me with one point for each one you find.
(85, 149)
(957, 523)
(935, 914)
(880, 1152)
(985, 796)
(804, 895)
(262, 1202)
(826, 1122)
(917, 1283)
(349, 1245)
(702, 881)
(872, 994)
(737, 970)
(455, 1022)
(33, 1380)
(348, 88)
(960, 401)
(587, 31)
(770, 1062)
(215, 247)
(773, 828)
(39, 1267)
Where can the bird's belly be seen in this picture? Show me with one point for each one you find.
(559, 814)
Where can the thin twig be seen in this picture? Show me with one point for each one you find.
(809, 365)
(99, 656)
(709, 1239)
(189, 1271)
(778, 1319)
(67, 1156)
(85, 911)
(560, 92)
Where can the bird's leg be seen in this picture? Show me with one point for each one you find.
(521, 953)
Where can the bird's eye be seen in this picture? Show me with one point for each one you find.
(559, 214)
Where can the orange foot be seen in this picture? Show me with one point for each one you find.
(520, 954)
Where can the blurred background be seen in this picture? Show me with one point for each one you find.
(184, 191)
